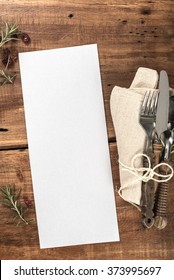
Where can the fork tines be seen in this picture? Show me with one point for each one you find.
(149, 104)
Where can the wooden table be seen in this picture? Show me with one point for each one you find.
(129, 34)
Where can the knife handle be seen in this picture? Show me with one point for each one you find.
(161, 200)
(157, 149)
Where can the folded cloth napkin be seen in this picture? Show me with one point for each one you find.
(125, 106)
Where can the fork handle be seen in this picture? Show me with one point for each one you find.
(148, 203)
(148, 197)
(149, 147)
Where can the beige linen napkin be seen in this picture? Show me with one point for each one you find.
(125, 107)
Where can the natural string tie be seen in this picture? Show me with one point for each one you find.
(148, 172)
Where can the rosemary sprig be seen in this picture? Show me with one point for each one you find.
(9, 33)
(6, 78)
(11, 200)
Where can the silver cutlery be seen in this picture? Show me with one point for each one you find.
(158, 122)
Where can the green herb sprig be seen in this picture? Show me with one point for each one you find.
(11, 200)
(9, 33)
(6, 78)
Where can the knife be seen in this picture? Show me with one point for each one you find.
(161, 126)
(163, 104)
(162, 116)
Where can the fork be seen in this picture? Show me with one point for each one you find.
(148, 117)
(147, 120)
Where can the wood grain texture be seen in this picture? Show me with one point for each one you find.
(129, 34)
(136, 241)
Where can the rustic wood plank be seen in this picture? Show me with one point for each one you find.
(129, 35)
(136, 241)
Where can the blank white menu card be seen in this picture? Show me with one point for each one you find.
(68, 146)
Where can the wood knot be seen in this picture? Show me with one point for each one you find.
(124, 21)
(146, 11)
(71, 15)
(3, 129)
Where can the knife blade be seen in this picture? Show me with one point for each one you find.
(163, 104)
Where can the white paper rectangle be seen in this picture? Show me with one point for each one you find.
(68, 146)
